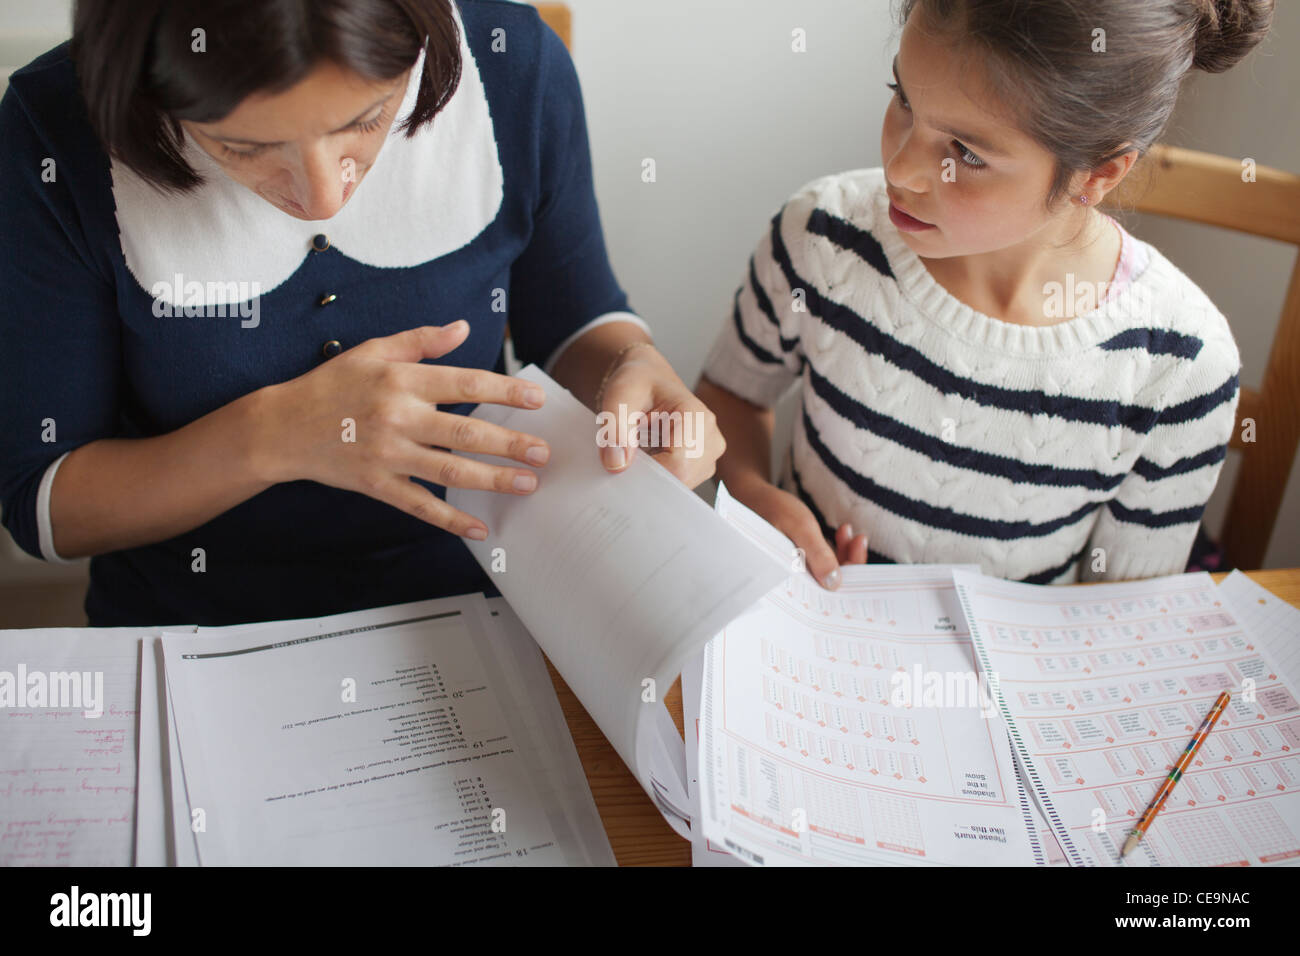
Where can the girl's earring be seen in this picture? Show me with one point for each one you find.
(1083, 200)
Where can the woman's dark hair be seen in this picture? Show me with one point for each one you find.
(141, 71)
(1090, 80)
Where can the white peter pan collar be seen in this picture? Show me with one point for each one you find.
(423, 198)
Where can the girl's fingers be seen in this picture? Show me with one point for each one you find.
(857, 550)
(818, 556)
(843, 536)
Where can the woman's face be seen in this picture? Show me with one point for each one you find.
(952, 161)
(305, 150)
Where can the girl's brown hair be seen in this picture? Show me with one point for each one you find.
(141, 69)
(1090, 80)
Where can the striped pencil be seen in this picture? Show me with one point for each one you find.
(1166, 788)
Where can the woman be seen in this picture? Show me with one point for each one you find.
(236, 242)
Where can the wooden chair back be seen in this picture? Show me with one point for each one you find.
(1216, 190)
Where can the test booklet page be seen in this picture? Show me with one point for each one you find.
(398, 742)
(1105, 686)
(825, 739)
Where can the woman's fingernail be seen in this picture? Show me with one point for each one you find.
(525, 481)
(832, 580)
(534, 396)
(478, 534)
(615, 457)
(538, 454)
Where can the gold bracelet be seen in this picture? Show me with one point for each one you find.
(613, 364)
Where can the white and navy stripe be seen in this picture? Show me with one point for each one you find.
(1106, 431)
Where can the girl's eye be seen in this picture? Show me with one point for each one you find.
(370, 125)
(968, 158)
(902, 100)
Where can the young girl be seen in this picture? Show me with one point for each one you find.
(992, 370)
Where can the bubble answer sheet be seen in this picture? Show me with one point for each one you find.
(1103, 686)
(849, 727)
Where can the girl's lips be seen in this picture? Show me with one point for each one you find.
(907, 223)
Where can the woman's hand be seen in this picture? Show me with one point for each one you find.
(795, 520)
(682, 433)
(368, 419)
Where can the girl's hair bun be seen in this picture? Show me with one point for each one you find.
(1228, 30)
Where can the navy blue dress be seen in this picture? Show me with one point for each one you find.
(487, 214)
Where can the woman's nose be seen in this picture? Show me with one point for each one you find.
(319, 182)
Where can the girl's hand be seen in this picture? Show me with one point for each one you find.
(367, 420)
(792, 517)
(689, 443)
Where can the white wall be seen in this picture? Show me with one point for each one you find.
(736, 121)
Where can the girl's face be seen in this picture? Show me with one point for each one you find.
(965, 180)
(304, 150)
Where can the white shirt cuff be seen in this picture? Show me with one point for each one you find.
(44, 528)
(599, 320)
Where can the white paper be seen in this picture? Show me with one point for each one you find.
(152, 814)
(703, 853)
(809, 753)
(1273, 621)
(67, 780)
(1105, 685)
(427, 765)
(619, 578)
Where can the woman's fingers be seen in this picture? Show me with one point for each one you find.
(419, 502)
(426, 341)
(457, 471)
(449, 385)
(462, 433)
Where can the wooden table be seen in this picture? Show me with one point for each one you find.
(637, 832)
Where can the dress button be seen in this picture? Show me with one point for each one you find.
(327, 299)
(320, 242)
(331, 348)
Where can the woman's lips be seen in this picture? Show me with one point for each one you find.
(907, 223)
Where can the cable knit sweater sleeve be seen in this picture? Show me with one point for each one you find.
(758, 354)
(1148, 528)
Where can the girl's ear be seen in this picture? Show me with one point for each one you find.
(1101, 180)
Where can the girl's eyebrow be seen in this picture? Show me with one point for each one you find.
(969, 139)
(350, 123)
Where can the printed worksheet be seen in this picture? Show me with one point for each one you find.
(67, 745)
(1104, 686)
(394, 741)
(850, 727)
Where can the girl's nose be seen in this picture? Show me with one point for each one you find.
(907, 168)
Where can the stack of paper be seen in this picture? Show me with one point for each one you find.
(425, 733)
(1104, 686)
(813, 736)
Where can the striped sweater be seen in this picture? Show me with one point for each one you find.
(1084, 450)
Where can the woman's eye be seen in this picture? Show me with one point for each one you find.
(902, 100)
(242, 153)
(968, 158)
(370, 125)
